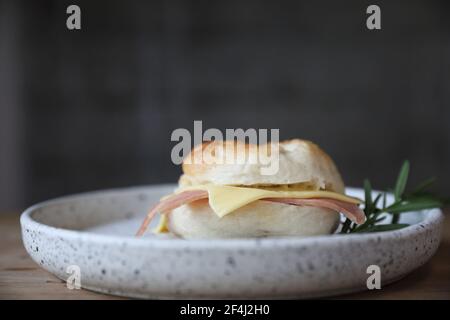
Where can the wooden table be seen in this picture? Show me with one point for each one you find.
(21, 278)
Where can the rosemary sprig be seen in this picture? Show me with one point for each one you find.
(419, 199)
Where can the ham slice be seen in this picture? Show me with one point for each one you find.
(172, 202)
(351, 211)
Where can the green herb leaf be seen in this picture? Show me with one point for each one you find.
(401, 181)
(346, 226)
(380, 219)
(414, 204)
(423, 186)
(367, 197)
(419, 199)
(377, 198)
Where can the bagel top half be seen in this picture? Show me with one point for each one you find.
(300, 163)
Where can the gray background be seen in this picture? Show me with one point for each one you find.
(95, 108)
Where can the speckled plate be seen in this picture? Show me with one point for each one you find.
(94, 231)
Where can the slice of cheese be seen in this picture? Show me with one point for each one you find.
(226, 199)
(162, 226)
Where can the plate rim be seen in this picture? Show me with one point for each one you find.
(432, 218)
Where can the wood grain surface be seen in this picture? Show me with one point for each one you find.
(21, 278)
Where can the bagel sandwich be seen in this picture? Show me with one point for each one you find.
(217, 199)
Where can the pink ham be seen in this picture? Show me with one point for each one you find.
(172, 202)
(351, 211)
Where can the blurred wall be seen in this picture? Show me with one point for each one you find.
(12, 146)
(89, 109)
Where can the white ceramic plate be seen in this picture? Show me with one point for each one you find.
(94, 231)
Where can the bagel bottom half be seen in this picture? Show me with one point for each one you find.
(258, 219)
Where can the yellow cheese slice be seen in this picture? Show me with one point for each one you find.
(162, 226)
(226, 199)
